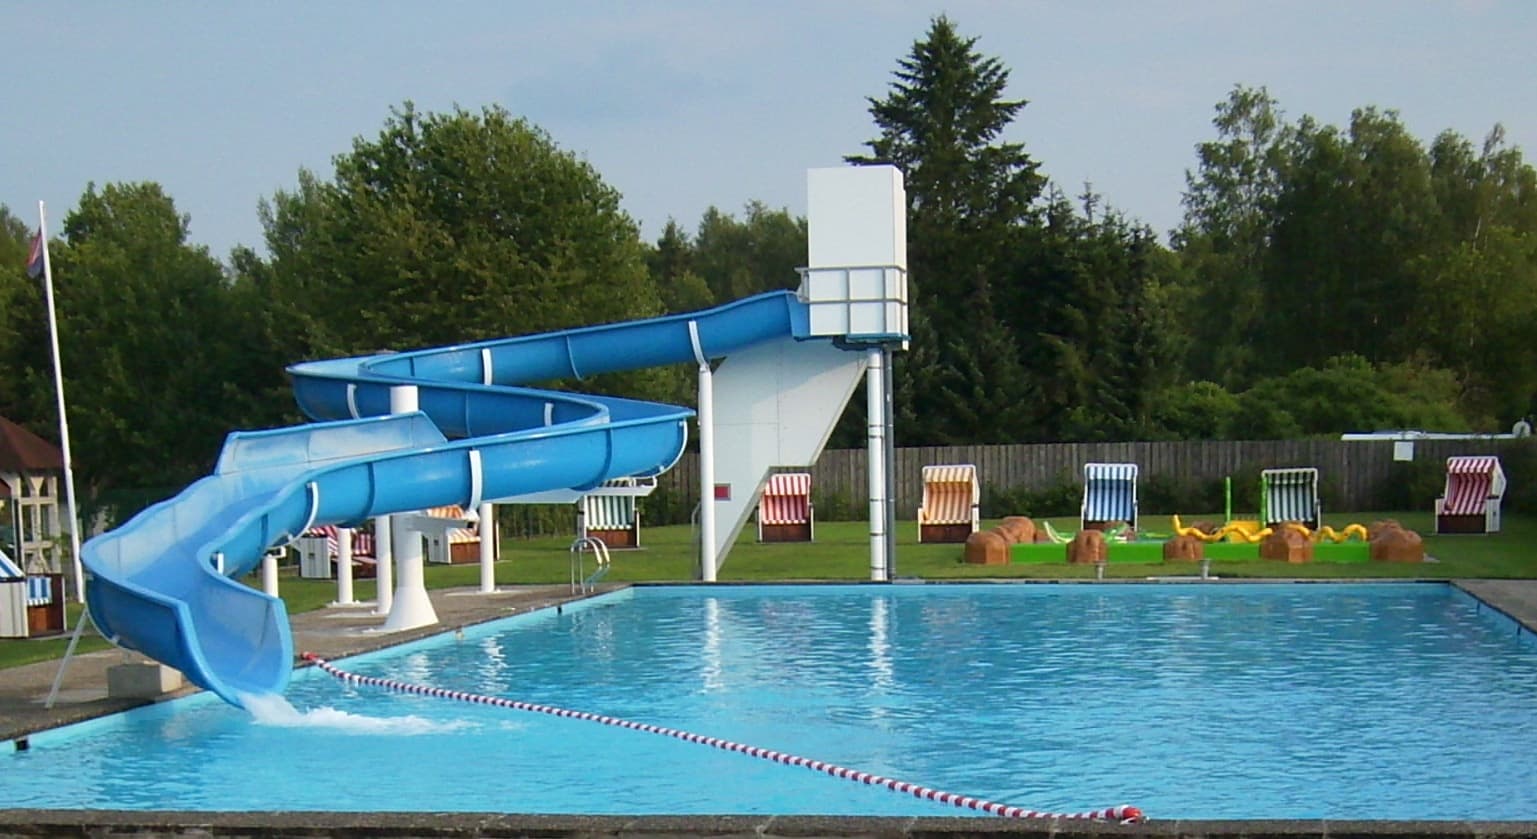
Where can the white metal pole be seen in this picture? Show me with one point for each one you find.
(58, 378)
(410, 606)
(344, 595)
(875, 409)
(487, 547)
(706, 472)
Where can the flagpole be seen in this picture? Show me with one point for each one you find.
(58, 378)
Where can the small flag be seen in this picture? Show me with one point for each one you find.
(35, 257)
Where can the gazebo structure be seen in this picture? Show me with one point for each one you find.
(30, 523)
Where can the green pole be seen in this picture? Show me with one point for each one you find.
(1227, 499)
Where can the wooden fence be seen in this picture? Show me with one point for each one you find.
(1353, 475)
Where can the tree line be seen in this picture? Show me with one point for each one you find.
(1323, 279)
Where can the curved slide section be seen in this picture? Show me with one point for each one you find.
(167, 583)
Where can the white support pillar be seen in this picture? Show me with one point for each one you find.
(410, 606)
(487, 548)
(706, 416)
(384, 564)
(344, 596)
(707, 563)
(875, 406)
(270, 574)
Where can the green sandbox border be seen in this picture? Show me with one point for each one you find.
(1151, 552)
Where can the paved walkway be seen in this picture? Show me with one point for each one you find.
(330, 633)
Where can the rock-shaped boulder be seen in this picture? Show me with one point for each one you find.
(1395, 544)
(987, 548)
(1287, 543)
(1087, 548)
(1017, 529)
(1184, 549)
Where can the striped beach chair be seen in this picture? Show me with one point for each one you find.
(1470, 502)
(785, 511)
(951, 503)
(13, 599)
(455, 546)
(320, 547)
(611, 512)
(1290, 495)
(1109, 495)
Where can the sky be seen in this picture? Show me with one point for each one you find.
(682, 105)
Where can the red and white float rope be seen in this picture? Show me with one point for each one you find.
(1122, 813)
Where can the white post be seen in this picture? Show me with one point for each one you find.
(875, 449)
(384, 562)
(706, 472)
(410, 606)
(344, 567)
(270, 574)
(487, 547)
(58, 378)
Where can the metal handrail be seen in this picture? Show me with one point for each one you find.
(581, 584)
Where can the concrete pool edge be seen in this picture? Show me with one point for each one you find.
(33, 823)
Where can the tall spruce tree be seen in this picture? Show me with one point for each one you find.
(969, 195)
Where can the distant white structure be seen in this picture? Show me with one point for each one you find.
(1404, 439)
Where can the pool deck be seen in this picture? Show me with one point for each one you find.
(342, 631)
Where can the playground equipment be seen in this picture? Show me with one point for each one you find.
(611, 514)
(1109, 495)
(951, 508)
(1470, 502)
(405, 431)
(785, 512)
(1290, 495)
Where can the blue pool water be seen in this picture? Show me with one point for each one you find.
(1405, 701)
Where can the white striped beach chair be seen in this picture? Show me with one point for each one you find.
(951, 508)
(1291, 495)
(1470, 502)
(611, 513)
(1109, 495)
(785, 511)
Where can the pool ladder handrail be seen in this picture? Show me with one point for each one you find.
(581, 584)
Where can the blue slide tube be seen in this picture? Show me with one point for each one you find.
(167, 582)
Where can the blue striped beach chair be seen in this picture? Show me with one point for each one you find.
(1291, 495)
(1109, 495)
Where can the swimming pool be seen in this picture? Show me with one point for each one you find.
(1199, 701)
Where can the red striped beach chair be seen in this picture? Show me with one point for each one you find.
(320, 547)
(951, 504)
(785, 511)
(1470, 503)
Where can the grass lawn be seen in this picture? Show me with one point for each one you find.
(842, 552)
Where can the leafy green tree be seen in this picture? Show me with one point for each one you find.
(150, 339)
(18, 311)
(671, 262)
(969, 193)
(1230, 202)
(760, 253)
(448, 228)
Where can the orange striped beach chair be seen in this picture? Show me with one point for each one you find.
(951, 503)
(785, 512)
(459, 545)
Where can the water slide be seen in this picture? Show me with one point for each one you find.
(168, 582)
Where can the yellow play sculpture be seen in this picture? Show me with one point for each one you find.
(1249, 531)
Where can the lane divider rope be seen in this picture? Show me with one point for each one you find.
(1124, 813)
